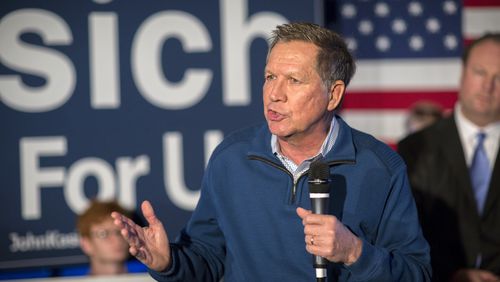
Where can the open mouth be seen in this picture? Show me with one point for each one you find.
(274, 116)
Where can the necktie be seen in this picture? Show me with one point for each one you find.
(480, 172)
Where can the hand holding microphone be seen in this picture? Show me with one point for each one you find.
(319, 192)
(326, 237)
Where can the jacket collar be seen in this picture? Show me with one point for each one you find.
(343, 149)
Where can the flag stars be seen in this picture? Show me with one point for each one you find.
(365, 27)
(352, 44)
(349, 11)
(416, 43)
(383, 43)
(382, 9)
(450, 41)
(432, 25)
(450, 7)
(398, 26)
(415, 8)
(378, 29)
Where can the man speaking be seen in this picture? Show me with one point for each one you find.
(254, 222)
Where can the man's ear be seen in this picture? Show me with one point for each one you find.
(337, 91)
(86, 245)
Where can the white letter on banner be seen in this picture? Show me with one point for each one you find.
(173, 176)
(212, 139)
(33, 178)
(237, 36)
(104, 63)
(53, 66)
(146, 60)
(129, 170)
(74, 187)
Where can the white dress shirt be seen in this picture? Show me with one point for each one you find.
(468, 136)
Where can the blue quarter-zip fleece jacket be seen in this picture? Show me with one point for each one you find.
(245, 227)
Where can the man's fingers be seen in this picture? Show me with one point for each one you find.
(302, 213)
(309, 218)
(313, 229)
(117, 219)
(121, 221)
(115, 215)
(129, 230)
(132, 250)
(320, 219)
(149, 214)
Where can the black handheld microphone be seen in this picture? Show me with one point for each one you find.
(319, 192)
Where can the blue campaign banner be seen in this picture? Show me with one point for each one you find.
(120, 99)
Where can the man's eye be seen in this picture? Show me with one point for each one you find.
(480, 72)
(270, 77)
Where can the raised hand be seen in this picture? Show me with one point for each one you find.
(148, 244)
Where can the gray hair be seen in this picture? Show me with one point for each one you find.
(333, 62)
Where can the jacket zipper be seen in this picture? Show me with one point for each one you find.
(294, 190)
(294, 187)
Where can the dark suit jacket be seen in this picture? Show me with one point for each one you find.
(441, 184)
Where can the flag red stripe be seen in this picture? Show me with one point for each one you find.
(468, 41)
(396, 100)
(480, 3)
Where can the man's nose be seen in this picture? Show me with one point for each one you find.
(277, 92)
(490, 83)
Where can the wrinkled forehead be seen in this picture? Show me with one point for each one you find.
(295, 52)
(313, 48)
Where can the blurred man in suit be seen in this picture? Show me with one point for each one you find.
(454, 170)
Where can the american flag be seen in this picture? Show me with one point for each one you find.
(406, 51)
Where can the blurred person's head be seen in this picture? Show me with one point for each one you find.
(423, 114)
(101, 240)
(479, 95)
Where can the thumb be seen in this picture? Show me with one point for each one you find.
(149, 213)
(301, 212)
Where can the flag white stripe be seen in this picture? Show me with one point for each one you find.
(385, 125)
(478, 20)
(416, 74)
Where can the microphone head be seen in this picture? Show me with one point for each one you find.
(319, 177)
(319, 170)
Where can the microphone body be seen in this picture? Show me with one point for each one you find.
(319, 192)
